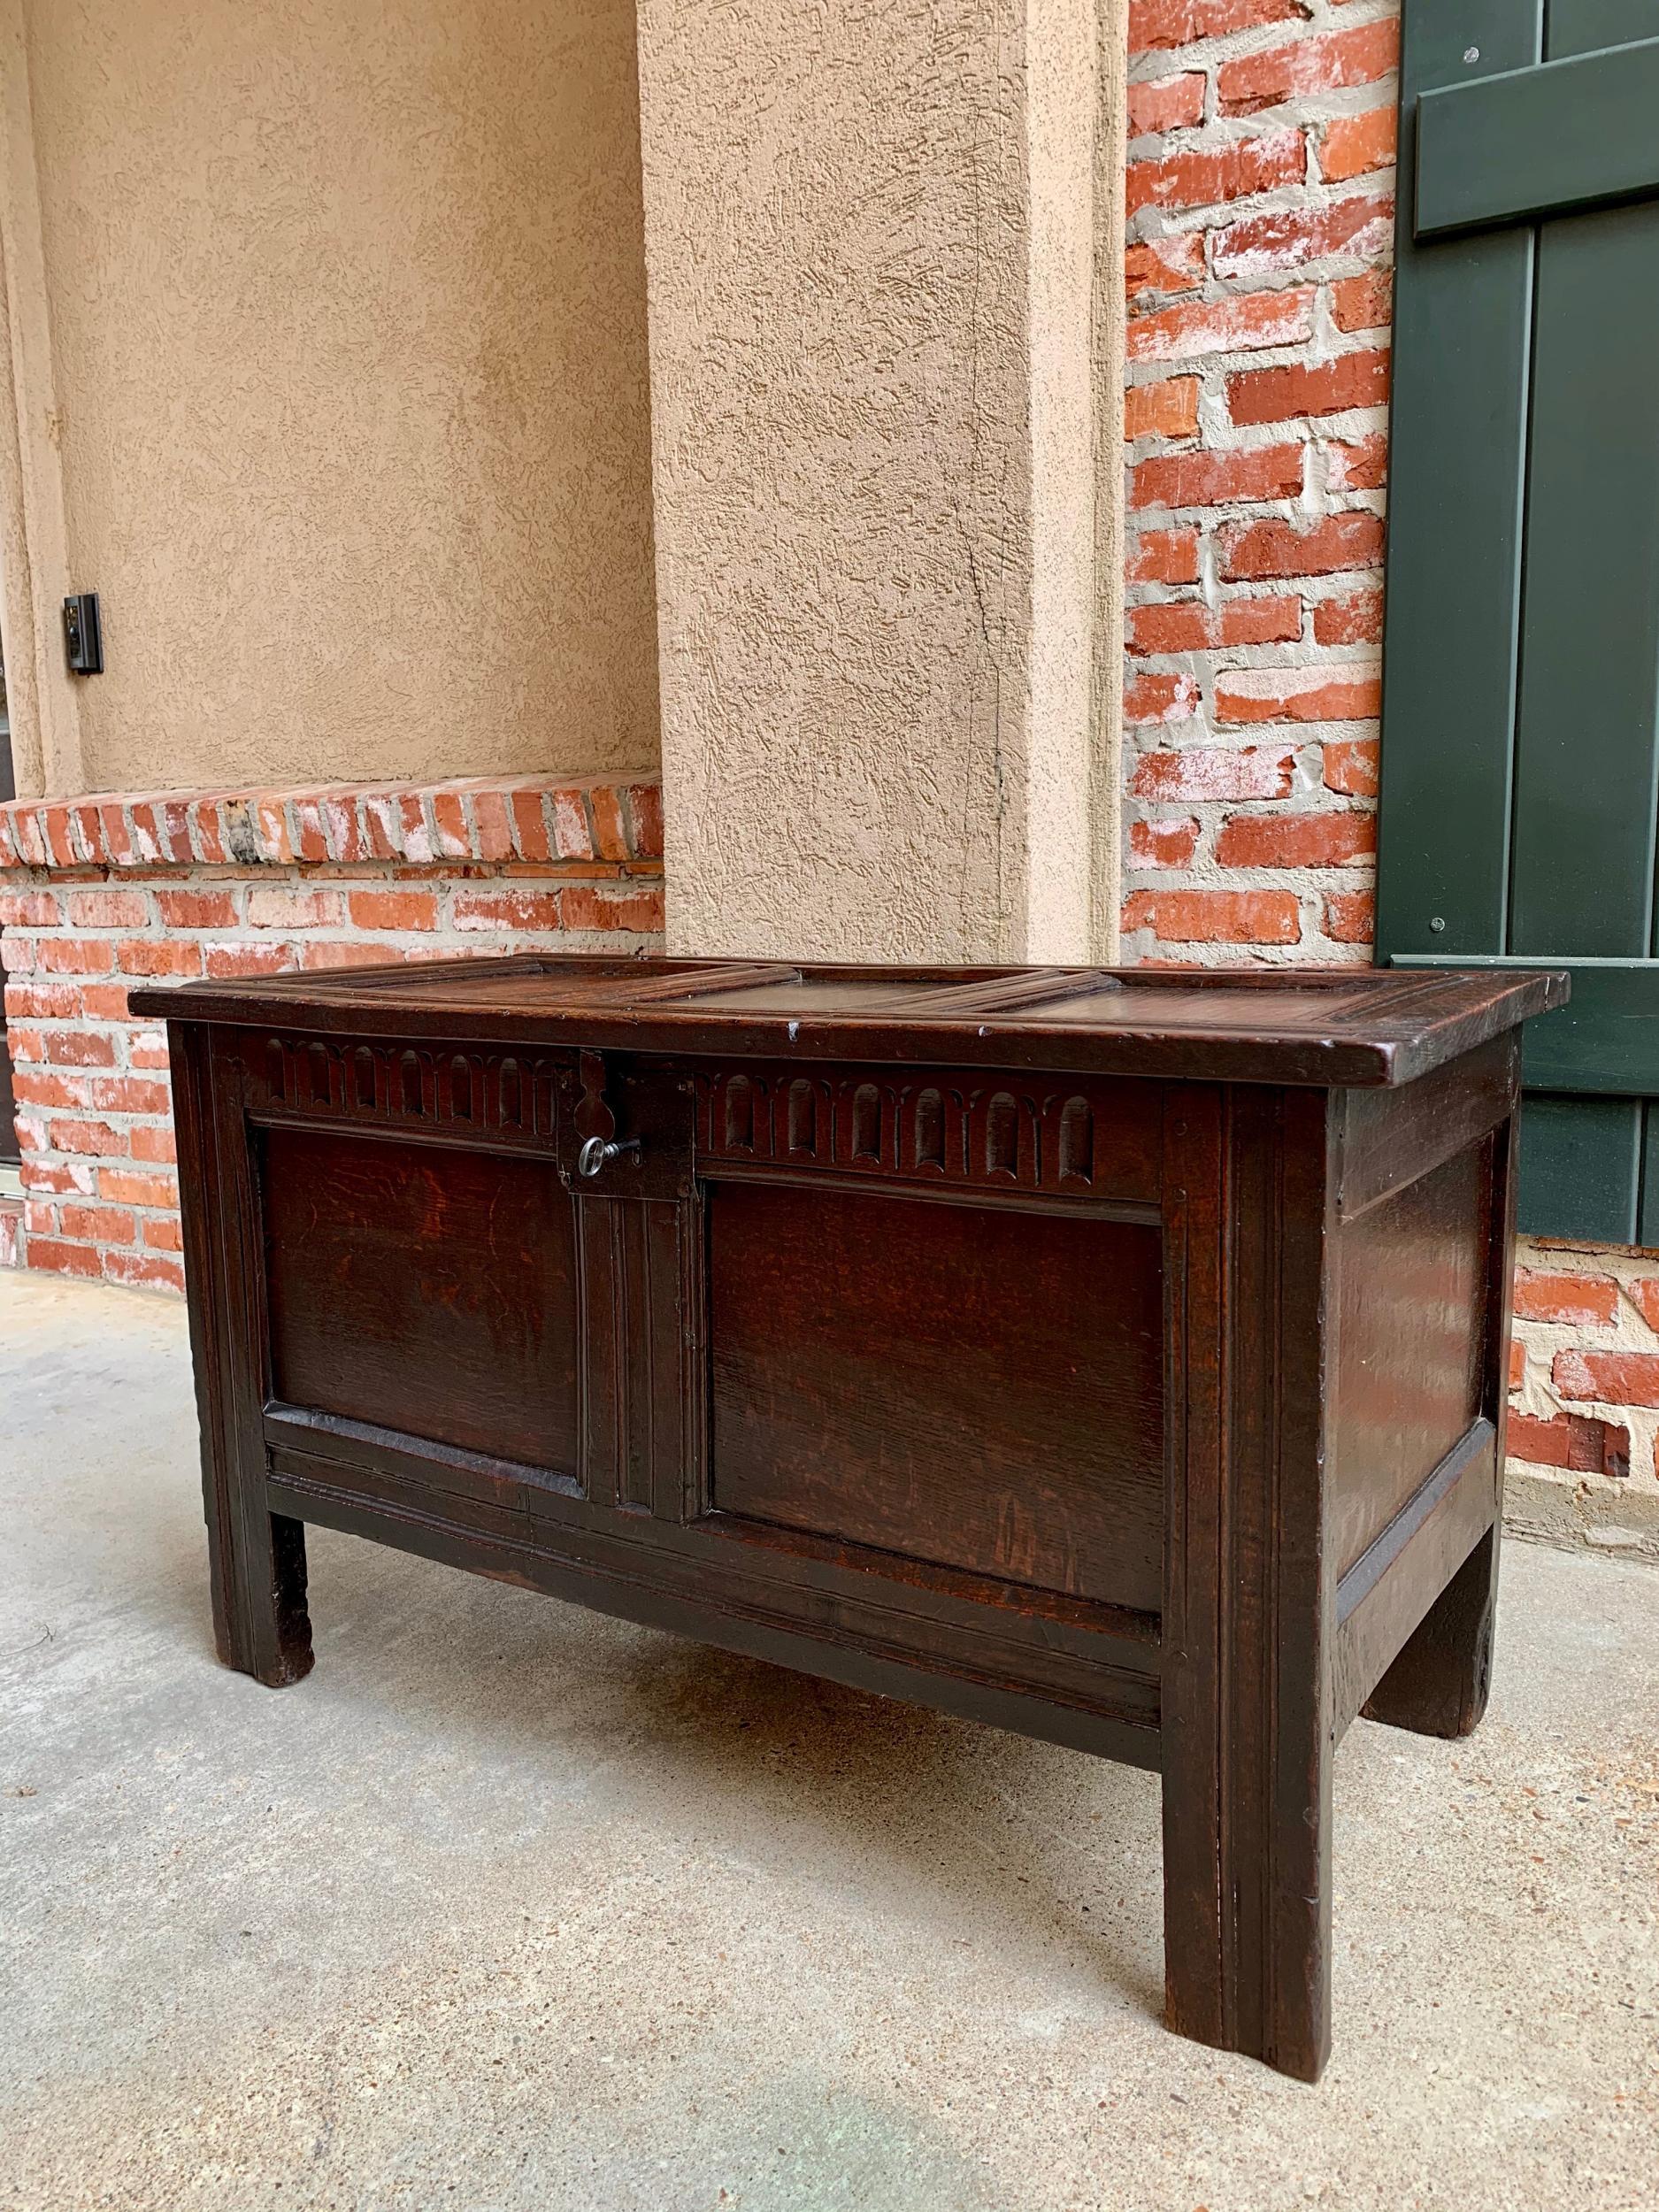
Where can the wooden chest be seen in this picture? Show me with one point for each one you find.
(1118, 1358)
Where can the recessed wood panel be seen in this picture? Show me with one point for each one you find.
(426, 1288)
(1412, 1277)
(974, 1386)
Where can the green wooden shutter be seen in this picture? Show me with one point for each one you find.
(1520, 757)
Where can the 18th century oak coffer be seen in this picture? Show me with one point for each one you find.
(1115, 1357)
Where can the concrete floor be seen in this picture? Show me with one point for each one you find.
(509, 1905)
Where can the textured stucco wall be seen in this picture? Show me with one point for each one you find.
(869, 244)
(345, 320)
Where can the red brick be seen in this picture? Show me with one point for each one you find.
(1224, 325)
(1290, 238)
(311, 834)
(1160, 698)
(64, 1259)
(1167, 844)
(269, 819)
(1353, 379)
(196, 910)
(1364, 303)
(154, 1145)
(394, 909)
(453, 840)
(1215, 918)
(165, 1235)
(611, 837)
(91, 1139)
(1215, 772)
(1578, 1441)
(273, 906)
(1207, 480)
(159, 956)
(573, 836)
(413, 831)
(382, 824)
(1158, 23)
(207, 828)
(529, 823)
(1351, 766)
(1517, 1363)
(74, 956)
(1577, 1301)
(1166, 103)
(645, 801)
(1296, 840)
(125, 1187)
(99, 1224)
(1165, 557)
(493, 834)
(60, 839)
(224, 961)
(1350, 917)
(1629, 1378)
(1175, 264)
(142, 1271)
(1338, 694)
(1225, 173)
(61, 1176)
(104, 1002)
(42, 1000)
(596, 906)
(1165, 410)
(130, 1094)
(40, 1218)
(1644, 1294)
(1352, 144)
(147, 1048)
(30, 909)
(1353, 617)
(1283, 549)
(39, 1086)
(1361, 466)
(355, 952)
(1189, 625)
(1310, 64)
(506, 909)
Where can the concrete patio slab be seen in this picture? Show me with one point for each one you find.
(509, 1905)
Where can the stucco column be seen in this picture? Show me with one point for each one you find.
(881, 248)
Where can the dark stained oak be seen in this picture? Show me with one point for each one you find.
(975, 1386)
(1117, 1356)
(477, 1346)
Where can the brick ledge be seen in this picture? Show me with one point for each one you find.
(477, 819)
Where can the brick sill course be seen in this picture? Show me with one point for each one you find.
(523, 821)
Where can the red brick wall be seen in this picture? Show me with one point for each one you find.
(1260, 197)
(106, 891)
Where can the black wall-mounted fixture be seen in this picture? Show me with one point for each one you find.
(82, 636)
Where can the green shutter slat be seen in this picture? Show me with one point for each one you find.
(1509, 149)
(1580, 1168)
(1586, 776)
(1462, 316)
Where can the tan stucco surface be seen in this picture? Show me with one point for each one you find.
(345, 360)
(871, 241)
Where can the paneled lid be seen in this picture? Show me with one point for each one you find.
(1320, 1025)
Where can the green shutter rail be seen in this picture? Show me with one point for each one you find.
(1512, 148)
